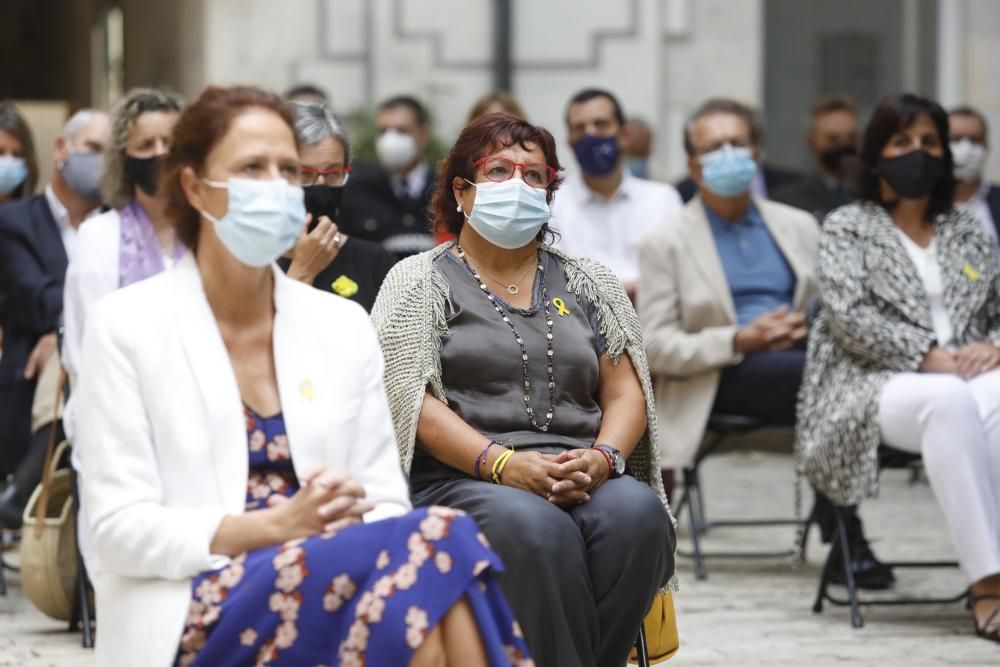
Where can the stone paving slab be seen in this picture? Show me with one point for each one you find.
(751, 613)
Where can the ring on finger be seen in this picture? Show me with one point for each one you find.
(338, 239)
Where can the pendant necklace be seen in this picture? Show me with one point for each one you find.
(550, 413)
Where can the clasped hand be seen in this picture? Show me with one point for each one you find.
(328, 501)
(967, 362)
(565, 479)
(779, 329)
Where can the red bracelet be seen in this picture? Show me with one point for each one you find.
(607, 457)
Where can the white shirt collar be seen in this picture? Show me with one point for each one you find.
(59, 211)
(626, 189)
(415, 180)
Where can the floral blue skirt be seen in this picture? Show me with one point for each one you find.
(367, 595)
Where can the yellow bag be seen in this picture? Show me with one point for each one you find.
(661, 631)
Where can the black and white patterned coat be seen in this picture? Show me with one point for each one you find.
(876, 322)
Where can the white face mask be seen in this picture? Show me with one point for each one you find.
(969, 158)
(395, 149)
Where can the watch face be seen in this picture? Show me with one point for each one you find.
(619, 463)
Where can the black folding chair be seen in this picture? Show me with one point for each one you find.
(889, 459)
(4, 566)
(84, 590)
(722, 427)
(641, 650)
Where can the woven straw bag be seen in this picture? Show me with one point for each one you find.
(48, 537)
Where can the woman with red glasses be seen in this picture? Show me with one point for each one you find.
(323, 256)
(520, 394)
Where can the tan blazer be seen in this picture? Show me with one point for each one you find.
(688, 317)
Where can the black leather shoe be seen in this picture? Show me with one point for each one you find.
(10, 508)
(869, 572)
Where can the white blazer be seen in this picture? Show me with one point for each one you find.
(163, 445)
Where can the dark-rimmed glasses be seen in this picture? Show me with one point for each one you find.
(500, 169)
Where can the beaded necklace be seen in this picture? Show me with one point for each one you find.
(520, 341)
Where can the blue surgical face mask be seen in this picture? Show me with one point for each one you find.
(598, 156)
(638, 167)
(263, 219)
(82, 173)
(728, 171)
(508, 214)
(13, 171)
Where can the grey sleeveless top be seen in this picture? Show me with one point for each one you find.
(481, 367)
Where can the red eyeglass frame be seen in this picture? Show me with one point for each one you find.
(516, 165)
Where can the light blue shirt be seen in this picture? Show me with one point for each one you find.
(758, 274)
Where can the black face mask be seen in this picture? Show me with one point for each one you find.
(838, 159)
(323, 200)
(913, 175)
(143, 172)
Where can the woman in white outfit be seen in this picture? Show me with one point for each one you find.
(134, 239)
(905, 349)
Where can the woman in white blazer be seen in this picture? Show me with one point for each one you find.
(206, 392)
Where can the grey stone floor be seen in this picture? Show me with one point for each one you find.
(752, 614)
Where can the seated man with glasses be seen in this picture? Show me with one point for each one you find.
(325, 257)
(722, 290)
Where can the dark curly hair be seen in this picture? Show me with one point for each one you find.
(200, 127)
(895, 113)
(480, 138)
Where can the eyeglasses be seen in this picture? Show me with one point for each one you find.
(500, 169)
(717, 145)
(333, 176)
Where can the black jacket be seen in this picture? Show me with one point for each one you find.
(774, 178)
(371, 210)
(32, 272)
(993, 201)
(810, 193)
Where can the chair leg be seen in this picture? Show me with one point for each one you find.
(852, 591)
(691, 489)
(83, 603)
(702, 521)
(641, 649)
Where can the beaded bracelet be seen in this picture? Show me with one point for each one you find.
(481, 459)
(499, 465)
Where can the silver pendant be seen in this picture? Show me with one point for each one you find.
(512, 289)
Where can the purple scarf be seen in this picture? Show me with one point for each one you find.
(139, 253)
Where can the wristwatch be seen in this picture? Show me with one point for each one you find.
(616, 460)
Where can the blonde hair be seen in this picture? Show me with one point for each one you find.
(116, 187)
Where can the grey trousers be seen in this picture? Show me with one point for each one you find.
(579, 581)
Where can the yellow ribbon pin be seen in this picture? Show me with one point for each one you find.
(560, 305)
(971, 273)
(345, 287)
(306, 388)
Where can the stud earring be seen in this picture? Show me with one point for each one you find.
(458, 208)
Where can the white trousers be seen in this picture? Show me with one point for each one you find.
(955, 426)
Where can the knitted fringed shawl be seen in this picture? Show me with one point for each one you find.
(410, 320)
